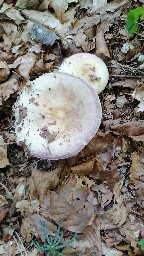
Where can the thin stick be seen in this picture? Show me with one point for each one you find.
(7, 191)
(127, 76)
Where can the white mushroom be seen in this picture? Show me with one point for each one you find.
(56, 115)
(88, 67)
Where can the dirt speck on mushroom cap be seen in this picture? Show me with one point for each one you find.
(88, 67)
(63, 113)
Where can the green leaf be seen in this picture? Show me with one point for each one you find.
(132, 19)
(141, 243)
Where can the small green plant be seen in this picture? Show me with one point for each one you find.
(141, 243)
(133, 18)
(53, 245)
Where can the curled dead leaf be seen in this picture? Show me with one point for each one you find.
(101, 46)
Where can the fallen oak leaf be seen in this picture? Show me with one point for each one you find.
(60, 208)
(131, 128)
(24, 64)
(61, 9)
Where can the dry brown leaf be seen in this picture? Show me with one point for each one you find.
(36, 220)
(138, 94)
(72, 204)
(40, 182)
(113, 238)
(28, 206)
(27, 62)
(8, 88)
(7, 43)
(110, 251)
(61, 9)
(61, 209)
(114, 217)
(131, 231)
(3, 212)
(112, 7)
(12, 13)
(3, 201)
(85, 245)
(4, 71)
(108, 21)
(104, 195)
(125, 248)
(131, 128)
(3, 154)
(138, 138)
(8, 249)
(11, 31)
(91, 166)
(4, 56)
(24, 64)
(44, 18)
(137, 174)
(101, 46)
(97, 4)
(128, 83)
(81, 40)
(27, 229)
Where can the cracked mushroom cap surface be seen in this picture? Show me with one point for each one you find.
(88, 67)
(56, 115)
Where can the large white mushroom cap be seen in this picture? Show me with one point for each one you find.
(56, 115)
(88, 67)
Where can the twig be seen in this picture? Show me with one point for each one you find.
(20, 245)
(7, 191)
(127, 76)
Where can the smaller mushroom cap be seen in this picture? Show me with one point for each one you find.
(56, 115)
(88, 67)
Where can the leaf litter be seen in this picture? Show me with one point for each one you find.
(99, 192)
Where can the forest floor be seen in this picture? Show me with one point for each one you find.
(99, 193)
